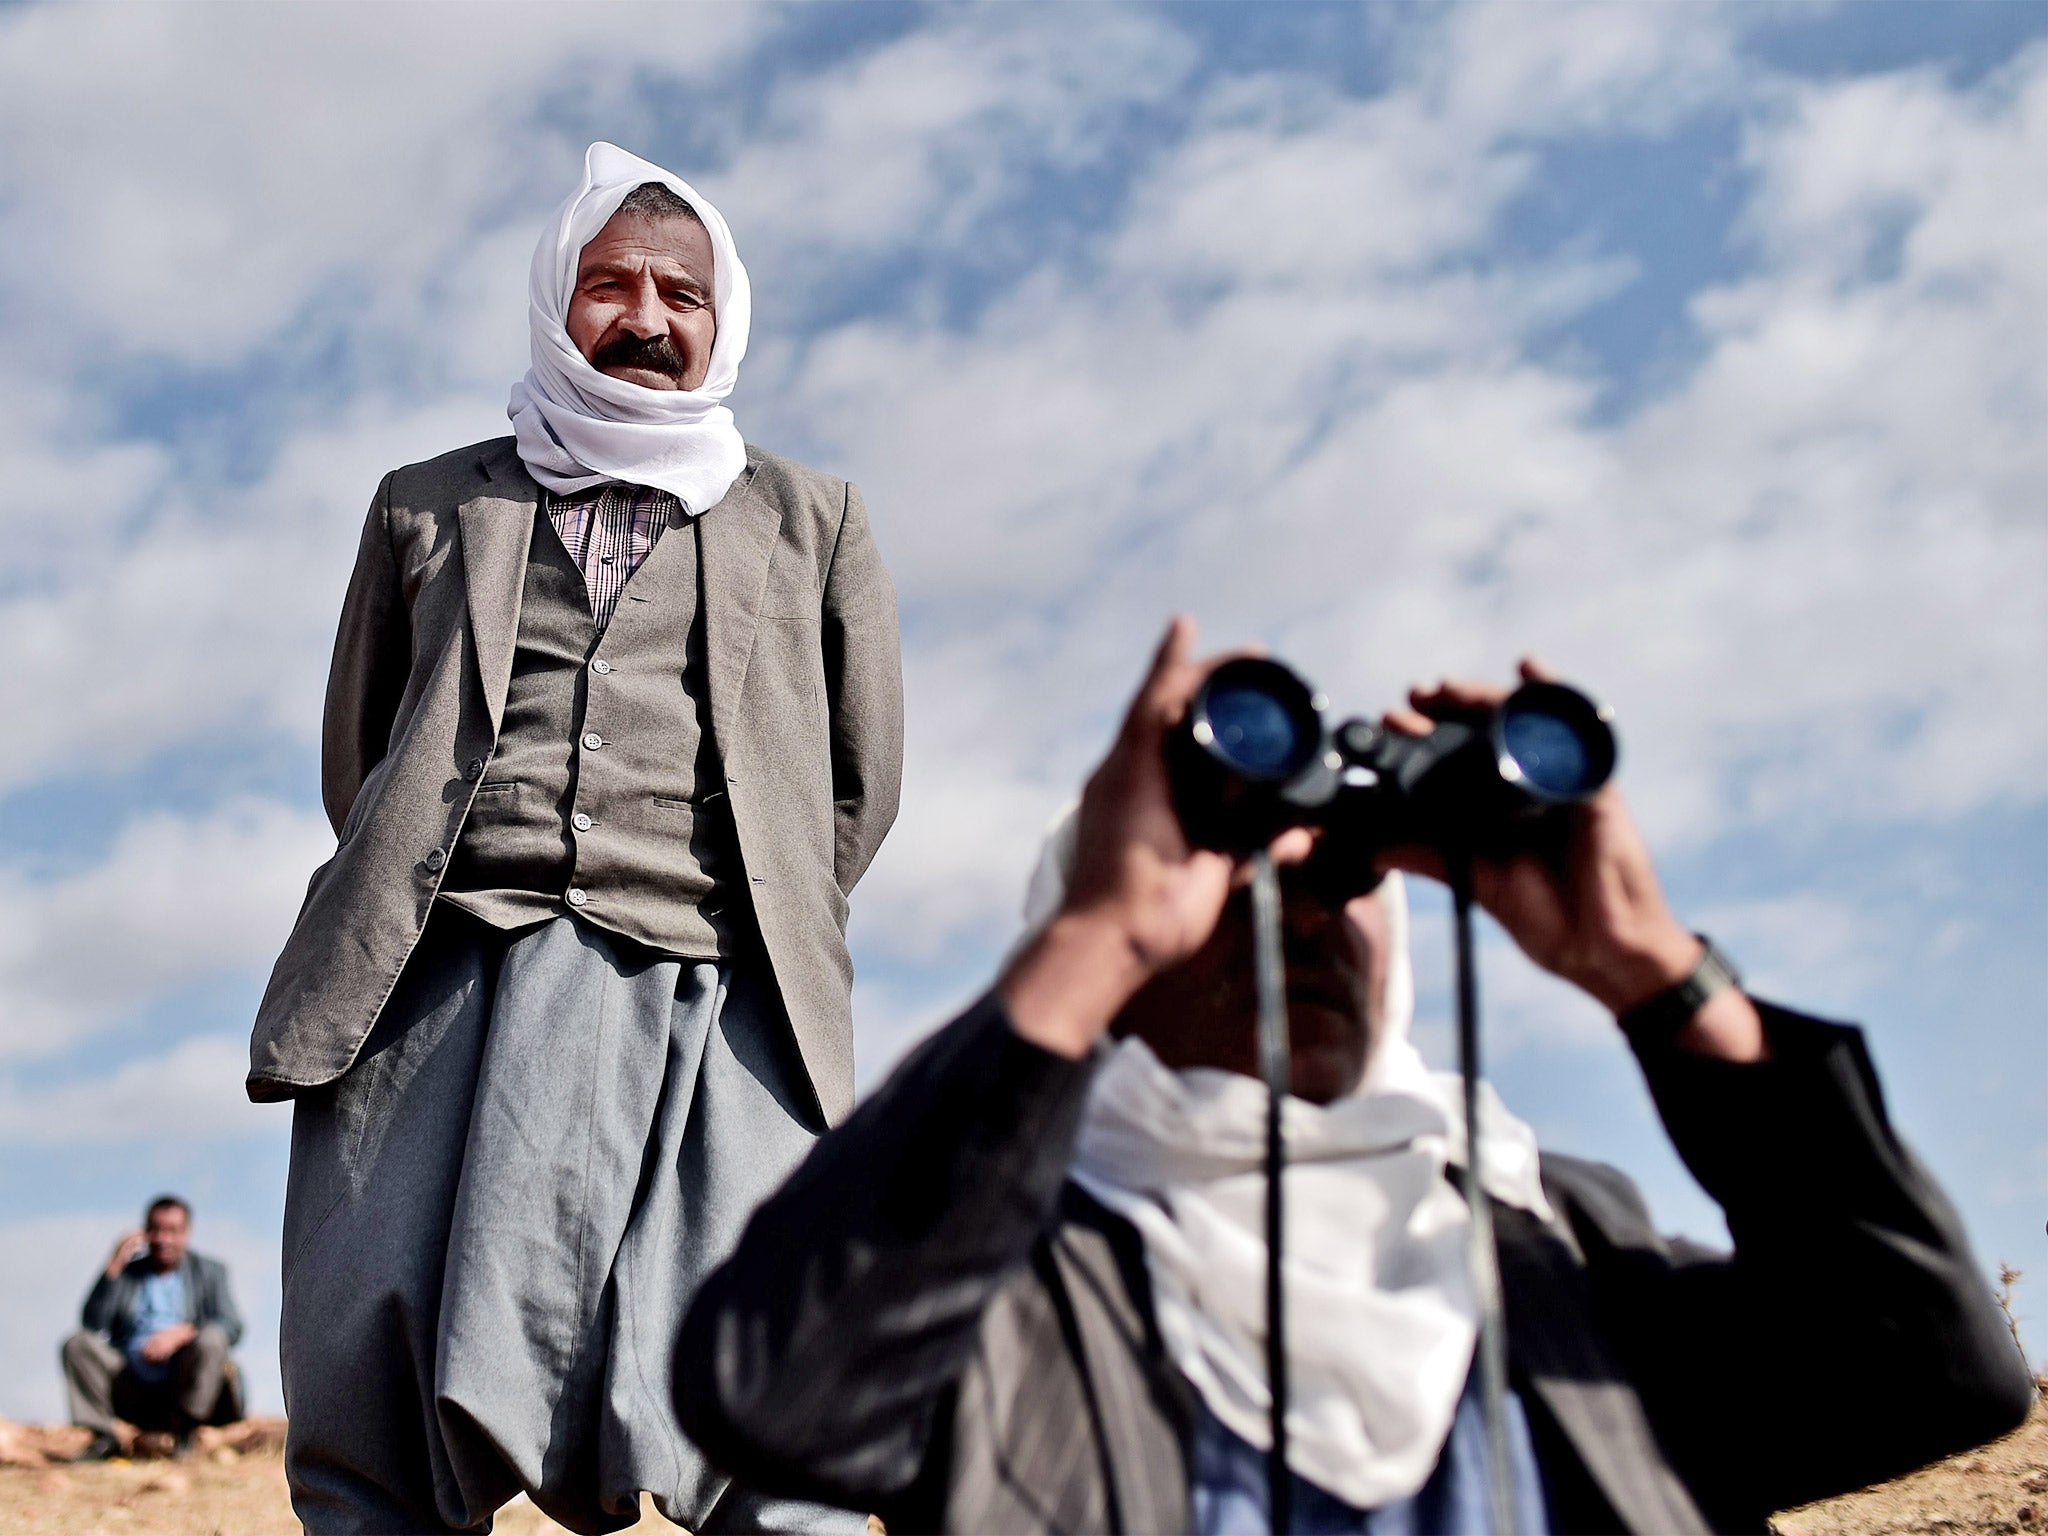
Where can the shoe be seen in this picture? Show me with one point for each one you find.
(103, 1448)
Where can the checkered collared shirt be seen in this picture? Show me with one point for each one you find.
(608, 530)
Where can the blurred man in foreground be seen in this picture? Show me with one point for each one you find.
(1020, 1289)
(158, 1325)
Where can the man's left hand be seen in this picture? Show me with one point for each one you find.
(1595, 914)
(166, 1342)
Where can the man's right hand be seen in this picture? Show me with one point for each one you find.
(1140, 899)
(125, 1250)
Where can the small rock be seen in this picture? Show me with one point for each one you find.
(2038, 1483)
(167, 1482)
(2026, 1514)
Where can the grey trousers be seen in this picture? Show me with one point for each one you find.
(495, 1222)
(201, 1388)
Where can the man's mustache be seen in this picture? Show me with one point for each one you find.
(655, 353)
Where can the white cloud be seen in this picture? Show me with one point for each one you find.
(190, 1094)
(51, 449)
(221, 170)
(910, 146)
(1510, 69)
(1812, 576)
(215, 618)
(175, 901)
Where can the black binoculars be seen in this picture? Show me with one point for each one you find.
(1254, 757)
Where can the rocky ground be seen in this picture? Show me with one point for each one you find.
(1999, 1488)
(234, 1486)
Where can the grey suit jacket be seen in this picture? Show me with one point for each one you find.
(806, 699)
(112, 1303)
(930, 1322)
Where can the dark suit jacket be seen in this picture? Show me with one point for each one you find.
(111, 1304)
(929, 1321)
(806, 694)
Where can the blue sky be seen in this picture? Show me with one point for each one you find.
(1700, 349)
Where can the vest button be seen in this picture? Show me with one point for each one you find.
(474, 770)
(436, 859)
(592, 741)
(600, 666)
(578, 896)
(580, 822)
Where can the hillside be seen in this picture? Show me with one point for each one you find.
(235, 1486)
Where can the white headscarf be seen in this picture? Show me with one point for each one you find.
(577, 427)
(1382, 1316)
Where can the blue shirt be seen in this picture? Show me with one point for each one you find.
(160, 1306)
(1230, 1485)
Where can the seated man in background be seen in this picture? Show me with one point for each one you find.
(1021, 1289)
(158, 1325)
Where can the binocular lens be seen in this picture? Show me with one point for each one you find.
(1253, 757)
(1555, 742)
(1254, 731)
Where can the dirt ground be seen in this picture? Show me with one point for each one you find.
(2001, 1487)
(234, 1486)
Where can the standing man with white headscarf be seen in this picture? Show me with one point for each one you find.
(613, 726)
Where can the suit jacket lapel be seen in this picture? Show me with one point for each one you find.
(735, 539)
(1556, 1344)
(1142, 1403)
(497, 532)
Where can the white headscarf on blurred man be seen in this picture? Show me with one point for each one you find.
(1382, 1313)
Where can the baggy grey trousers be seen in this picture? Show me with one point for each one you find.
(201, 1388)
(496, 1219)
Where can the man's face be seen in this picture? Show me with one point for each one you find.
(642, 307)
(166, 1231)
(1204, 1012)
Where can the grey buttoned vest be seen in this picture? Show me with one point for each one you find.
(604, 796)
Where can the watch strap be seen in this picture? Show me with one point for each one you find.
(1657, 1019)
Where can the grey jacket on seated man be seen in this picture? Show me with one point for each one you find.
(111, 1304)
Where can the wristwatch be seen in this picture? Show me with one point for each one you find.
(1655, 1020)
